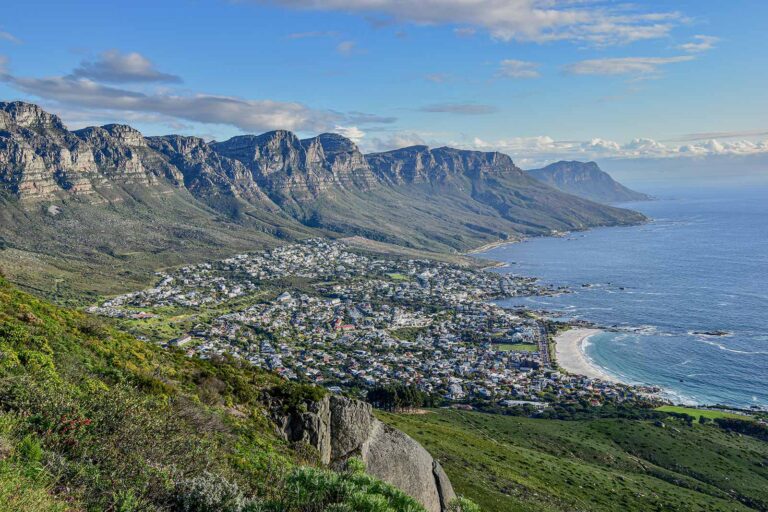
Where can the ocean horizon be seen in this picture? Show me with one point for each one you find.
(684, 295)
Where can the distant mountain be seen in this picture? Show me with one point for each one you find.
(106, 199)
(587, 180)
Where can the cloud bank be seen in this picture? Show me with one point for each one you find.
(542, 149)
(92, 89)
(115, 67)
(597, 22)
(512, 68)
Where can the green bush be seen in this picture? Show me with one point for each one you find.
(29, 451)
(209, 492)
(462, 504)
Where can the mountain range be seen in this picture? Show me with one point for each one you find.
(587, 180)
(111, 201)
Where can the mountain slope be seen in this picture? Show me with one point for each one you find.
(508, 463)
(79, 207)
(586, 179)
(93, 419)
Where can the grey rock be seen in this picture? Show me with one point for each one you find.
(420, 164)
(341, 428)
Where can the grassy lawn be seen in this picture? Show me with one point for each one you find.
(697, 413)
(516, 347)
(407, 333)
(398, 277)
(507, 463)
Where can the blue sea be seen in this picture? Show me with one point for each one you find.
(700, 265)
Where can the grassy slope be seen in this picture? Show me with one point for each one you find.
(113, 248)
(510, 463)
(92, 419)
(461, 214)
(698, 413)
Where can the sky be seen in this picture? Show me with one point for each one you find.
(542, 80)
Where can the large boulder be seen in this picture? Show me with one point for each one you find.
(340, 428)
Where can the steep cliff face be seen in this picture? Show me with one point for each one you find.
(342, 158)
(211, 177)
(299, 171)
(122, 157)
(340, 428)
(41, 160)
(420, 164)
(587, 180)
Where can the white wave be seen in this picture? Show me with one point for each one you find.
(733, 350)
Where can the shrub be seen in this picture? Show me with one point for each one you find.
(29, 451)
(462, 504)
(209, 492)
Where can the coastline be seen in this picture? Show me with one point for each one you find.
(569, 350)
(489, 246)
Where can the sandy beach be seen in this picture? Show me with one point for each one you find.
(570, 354)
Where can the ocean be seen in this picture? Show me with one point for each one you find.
(700, 266)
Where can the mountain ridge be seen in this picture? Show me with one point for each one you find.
(109, 198)
(587, 180)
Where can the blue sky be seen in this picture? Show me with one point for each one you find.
(539, 79)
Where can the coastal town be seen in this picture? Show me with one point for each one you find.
(323, 312)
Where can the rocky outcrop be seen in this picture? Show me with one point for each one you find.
(342, 158)
(209, 176)
(439, 199)
(41, 160)
(587, 180)
(420, 164)
(300, 171)
(340, 428)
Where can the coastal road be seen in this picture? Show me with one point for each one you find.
(543, 342)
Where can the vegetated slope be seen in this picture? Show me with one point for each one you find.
(451, 199)
(586, 179)
(93, 419)
(508, 463)
(104, 201)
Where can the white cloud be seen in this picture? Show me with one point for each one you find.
(465, 31)
(599, 22)
(312, 34)
(532, 151)
(722, 135)
(115, 67)
(7, 36)
(353, 133)
(347, 48)
(637, 66)
(466, 109)
(246, 114)
(699, 44)
(394, 141)
(437, 78)
(511, 68)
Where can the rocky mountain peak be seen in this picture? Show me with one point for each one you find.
(420, 164)
(299, 171)
(30, 116)
(181, 144)
(125, 134)
(587, 180)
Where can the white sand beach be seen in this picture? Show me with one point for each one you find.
(570, 354)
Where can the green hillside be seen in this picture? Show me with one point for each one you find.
(93, 420)
(509, 463)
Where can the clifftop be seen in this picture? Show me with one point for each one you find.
(586, 179)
